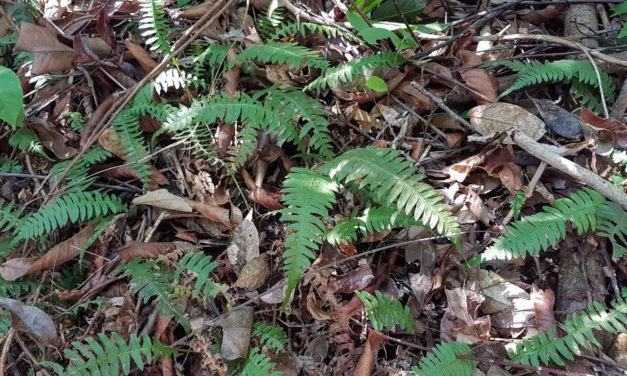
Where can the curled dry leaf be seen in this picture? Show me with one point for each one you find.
(213, 212)
(357, 279)
(31, 320)
(369, 354)
(236, 329)
(49, 55)
(615, 129)
(141, 55)
(254, 273)
(163, 199)
(543, 301)
(97, 116)
(149, 250)
(126, 171)
(478, 79)
(53, 140)
(267, 199)
(558, 119)
(15, 268)
(492, 118)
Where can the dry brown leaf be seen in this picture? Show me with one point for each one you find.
(492, 118)
(369, 354)
(478, 79)
(49, 55)
(267, 199)
(196, 11)
(543, 301)
(31, 320)
(149, 250)
(97, 116)
(63, 251)
(254, 273)
(126, 171)
(5, 26)
(236, 329)
(357, 279)
(163, 199)
(141, 55)
(53, 140)
(615, 129)
(244, 244)
(412, 97)
(479, 209)
(213, 212)
(15, 268)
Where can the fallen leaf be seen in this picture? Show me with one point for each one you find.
(369, 354)
(501, 295)
(357, 279)
(213, 212)
(52, 140)
(244, 244)
(543, 301)
(492, 118)
(267, 199)
(97, 116)
(49, 55)
(236, 329)
(148, 250)
(479, 209)
(31, 320)
(558, 119)
(163, 199)
(16, 267)
(141, 55)
(478, 79)
(127, 171)
(254, 273)
(615, 129)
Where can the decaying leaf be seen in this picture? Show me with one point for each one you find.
(244, 244)
(31, 320)
(612, 127)
(148, 250)
(558, 119)
(163, 199)
(254, 273)
(489, 119)
(49, 55)
(236, 330)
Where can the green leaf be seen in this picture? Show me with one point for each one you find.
(620, 10)
(11, 104)
(373, 35)
(409, 9)
(377, 84)
(357, 21)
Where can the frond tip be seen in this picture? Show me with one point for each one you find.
(444, 361)
(385, 312)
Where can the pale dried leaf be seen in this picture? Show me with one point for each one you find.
(163, 199)
(63, 251)
(49, 55)
(31, 320)
(236, 329)
(254, 273)
(148, 250)
(15, 268)
(493, 118)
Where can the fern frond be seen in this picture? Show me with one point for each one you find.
(543, 230)
(128, 137)
(283, 53)
(5, 323)
(271, 336)
(267, 24)
(308, 196)
(200, 266)
(613, 225)
(173, 78)
(75, 121)
(7, 42)
(345, 72)
(258, 364)
(26, 140)
(298, 105)
(148, 282)
(9, 216)
(385, 312)
(213, 56)
(302, 28)
(78, 174)
(374, 219)
(15, 289)
(443, 361)
(108, 355)
(544, 348)
(394, 182)
(153, 26)
(68, 208)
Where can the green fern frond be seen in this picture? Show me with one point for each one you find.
(385, 312)
(271, 336)
(345, 72)
(283, 53)
(75, 121)
(443, 361)
(200, 266)
(543, 230)
(77, 176)
(613, 225)
(302, 28)
(129, 137)
(26, 140)
(395, 183)
(374, 219)
(544, 348)
(148, 281)
(68, 208)
(300, 106)
(213, 56)
(258, 364)
(580, 74)
(308, 196)
(5, 323)
(15, 289)
(108, 355)
(153, 26)
(7, 42)
(267, 24)
(174, 78)
(9, 216)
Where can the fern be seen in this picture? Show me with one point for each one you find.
(109, 355)
(153, 26)
(308, 196)
(7, 42)
(613, 225)
(619, 11)
(68, 208)
(544, 348)
(267, 24)
(26, 140)
(302, 28)
(385, 312)
(214, 55)
(580, 74)
(9, 216)
(345, 72)
(444, 361)
(174, 78)
(374, 219)
(75, 121)
(77, 176)
(271, 336)
(201, 267)
(258, 364)
(543, 230)
(283, 53)
(5, 323)
(394, 182)
(15, 289)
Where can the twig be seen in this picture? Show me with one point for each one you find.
(530, 188)
(570, 168)
(5, 349)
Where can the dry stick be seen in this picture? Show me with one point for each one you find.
(5, 349)
(621, 103)
(191, 35)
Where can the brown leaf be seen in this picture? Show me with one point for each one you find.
(236, 328)
(49, 55)
(357, 279)
(63, 251)
(543, 301)
(254, 273)
(141, 55)
(478, 79)
(53, 140)
(244, 244)
(126, 171)
(15, 268)
(163, 199)
(369, 354)
(479, 209)
(615, 129)
(196, 11)
(412, 97)
(268, 200)
(149, 250)
(213, 212)
(31, 320)
(97, 116)
(502, 117)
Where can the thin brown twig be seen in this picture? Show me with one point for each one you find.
(5, 349)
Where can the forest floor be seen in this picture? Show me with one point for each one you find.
(369, 187)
